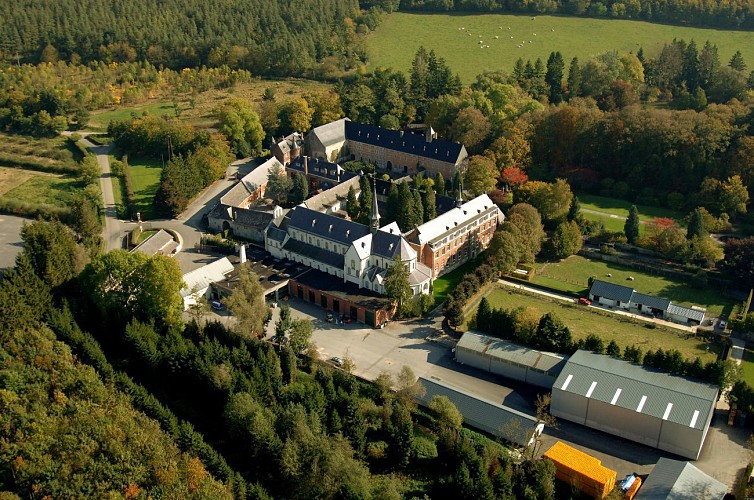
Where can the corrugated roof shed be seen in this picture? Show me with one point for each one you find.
(546, 361)
(678, 480)
(488, 416)
(687, 312)
(611, 291)
(636, 388)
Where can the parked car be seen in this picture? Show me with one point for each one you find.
(217, 305)
(585, 302)
(337, 361)
(723, 324)
(330, 318)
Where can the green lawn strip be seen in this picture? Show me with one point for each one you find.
(400, 34)
(574, 272)
(447, 282)
(583, 321)
(145, 175)
(747, 367)
(46, 189)
(100, 120)
(615, 206)
(612, 224)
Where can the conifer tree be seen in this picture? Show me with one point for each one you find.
(631, 227)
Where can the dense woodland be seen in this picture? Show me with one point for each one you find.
(149, 406)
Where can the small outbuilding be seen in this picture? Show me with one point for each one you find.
(509, 360)
(512, 425)
(675, 479)
(657, 409)
(199, 280)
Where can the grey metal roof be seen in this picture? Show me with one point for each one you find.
(396, 140)
(513, 353)
(253, 218)
(488, 416)
(636, 388)
(420, 274)
(678, 480)
(314, 253)
(688, 312)
(387, 245)
(650, 301)
(326, 226)
(157, 243)
(611, 291)
(331, 133)
(326, 199)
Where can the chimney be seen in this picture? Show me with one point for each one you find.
(242, 254)
(306, 167)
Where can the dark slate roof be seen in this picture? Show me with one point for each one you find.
(253, 218)
(385, 244)
(611, 291)
(637, 388)
(650, 301)
(678, 480)
(220, 211)
(348, 290)
(314, 252)
(326, 226)
(444, 203)
(407, 143)
(321, 168)
(276, 234)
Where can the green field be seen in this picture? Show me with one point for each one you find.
(99, 120)
(145, 175)
(572, 274)
(396, 40)
(447, 282)
(618, 207)
(45, 190)
(747, 367)
(583, 321)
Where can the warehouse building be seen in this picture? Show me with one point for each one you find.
(657, 409)
(674, 479)
(509, 360)
(488, 416)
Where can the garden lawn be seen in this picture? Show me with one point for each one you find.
(747, 367)
(583, 321)
(45, 189)
(612, 223)
(100, 120)
(620, 208)
(572, 274)
(446, 283)
(400, 34)
(145, 175)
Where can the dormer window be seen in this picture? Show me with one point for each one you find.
(330, 229)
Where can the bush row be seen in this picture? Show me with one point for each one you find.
(470, 284)
(33, 210)
(19, 161)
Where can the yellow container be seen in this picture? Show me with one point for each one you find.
(581, 470)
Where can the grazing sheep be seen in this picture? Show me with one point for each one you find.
(497, 37)
(609, 275)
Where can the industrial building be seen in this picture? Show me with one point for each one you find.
(675, 479)
(488, 416)
(509, 360)
(657, 409)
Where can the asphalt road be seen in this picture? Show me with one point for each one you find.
(10, 240)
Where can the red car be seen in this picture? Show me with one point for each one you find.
(585, 302)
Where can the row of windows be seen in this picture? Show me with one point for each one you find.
(467, 228)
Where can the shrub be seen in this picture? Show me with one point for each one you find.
(423, 448)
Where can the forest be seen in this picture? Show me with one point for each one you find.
(146, 405)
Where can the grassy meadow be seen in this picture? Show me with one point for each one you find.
(572, 274)
(145, 175)
(583, 321)
(396, 40)
(200, 112)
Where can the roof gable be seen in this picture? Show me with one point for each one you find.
(678, 480)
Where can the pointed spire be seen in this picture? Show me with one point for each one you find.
(459, 198)
(374, 215)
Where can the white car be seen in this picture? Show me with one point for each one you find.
(337, 361)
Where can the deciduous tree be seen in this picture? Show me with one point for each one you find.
(247, 304)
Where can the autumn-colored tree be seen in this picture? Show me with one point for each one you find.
(513, 177)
